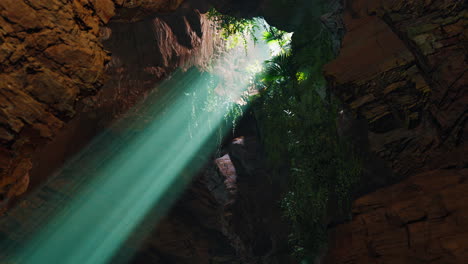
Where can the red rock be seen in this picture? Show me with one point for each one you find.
(51, 58)
(393, 83)
(20, 13)
(399, 71)
(227, 169)
(432, 223)
(105, 9)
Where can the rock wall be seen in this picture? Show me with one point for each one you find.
(228, 215)
(51, 57)
(403, 69)
(57, 76)
(423, 219)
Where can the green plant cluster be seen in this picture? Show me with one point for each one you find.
(297, 120)
(298, 124)
(234, 29)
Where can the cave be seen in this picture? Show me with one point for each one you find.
(233, 132)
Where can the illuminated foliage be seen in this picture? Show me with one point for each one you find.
(297, 119)
(234, 29)
(299, 132)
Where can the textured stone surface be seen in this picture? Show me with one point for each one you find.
(402, 67)
(134, 10)
(51, 59)
(420, 220)
(143, 53)
(228, 215)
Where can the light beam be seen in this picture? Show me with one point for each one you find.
(135, 168)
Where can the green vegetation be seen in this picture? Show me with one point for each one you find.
(234, 29)
(208, 101)
(297, 120)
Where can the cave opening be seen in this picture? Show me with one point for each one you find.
(192, 132)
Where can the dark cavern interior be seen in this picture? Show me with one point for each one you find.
(233, 132)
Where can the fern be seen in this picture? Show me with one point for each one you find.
(298, 131)
(297, 126)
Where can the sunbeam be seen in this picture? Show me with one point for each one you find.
(138, 166)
